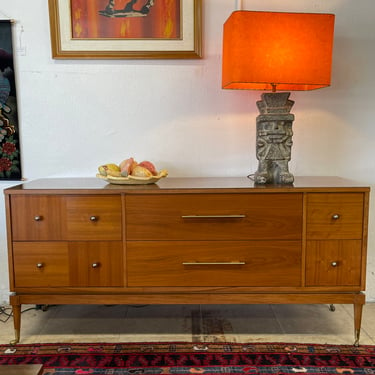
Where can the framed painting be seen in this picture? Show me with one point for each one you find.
(126, 29)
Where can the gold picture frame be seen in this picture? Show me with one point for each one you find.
(64, 46)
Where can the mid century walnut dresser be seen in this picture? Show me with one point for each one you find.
(187, 240)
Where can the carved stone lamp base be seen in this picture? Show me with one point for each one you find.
(274, 139)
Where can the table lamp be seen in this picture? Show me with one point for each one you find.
(278, 52)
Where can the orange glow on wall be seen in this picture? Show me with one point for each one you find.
(290, 50)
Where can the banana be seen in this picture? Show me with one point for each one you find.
(110, 169)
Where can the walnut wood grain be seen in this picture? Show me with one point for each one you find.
(26, 210)
(214, 217)
(334, 262)
(335, 216)
(93, 217)
(187, 240)
(265, 263)
(38, 264)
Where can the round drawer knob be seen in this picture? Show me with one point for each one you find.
(38, 218)
(95, 265)
(94, 218)
(39, 265)
(334, 264)
(335, 216)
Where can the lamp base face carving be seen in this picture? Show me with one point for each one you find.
(274, 139)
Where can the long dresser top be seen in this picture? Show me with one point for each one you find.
(92, 185)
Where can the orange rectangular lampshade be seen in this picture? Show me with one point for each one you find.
(290, 51)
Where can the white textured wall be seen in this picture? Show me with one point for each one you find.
(76, 115)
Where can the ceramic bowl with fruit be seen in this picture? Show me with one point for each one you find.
(131, 172)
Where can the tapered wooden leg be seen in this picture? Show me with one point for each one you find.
(358, 307)
(17, 323)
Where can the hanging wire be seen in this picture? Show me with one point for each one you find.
(4, 311)
(7, 312)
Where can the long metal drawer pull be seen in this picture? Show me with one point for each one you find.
(213, 263)
(213, 216)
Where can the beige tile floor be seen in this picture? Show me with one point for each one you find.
(192, 323)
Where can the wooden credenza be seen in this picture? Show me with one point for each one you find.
(187, 240)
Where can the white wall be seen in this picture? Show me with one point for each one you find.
(75, 115)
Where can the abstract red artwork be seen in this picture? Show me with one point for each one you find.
(126, 19)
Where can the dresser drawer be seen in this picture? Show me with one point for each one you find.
(41, 264)
(50, 218)
(214, 217)
(210, 263)
(83, 264)
(96, 264)
(335, 216)
(334, 263)
(93, 218)
(36, 217)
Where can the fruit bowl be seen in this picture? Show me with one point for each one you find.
(133, 180)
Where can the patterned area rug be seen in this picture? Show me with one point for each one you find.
(192, 358)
